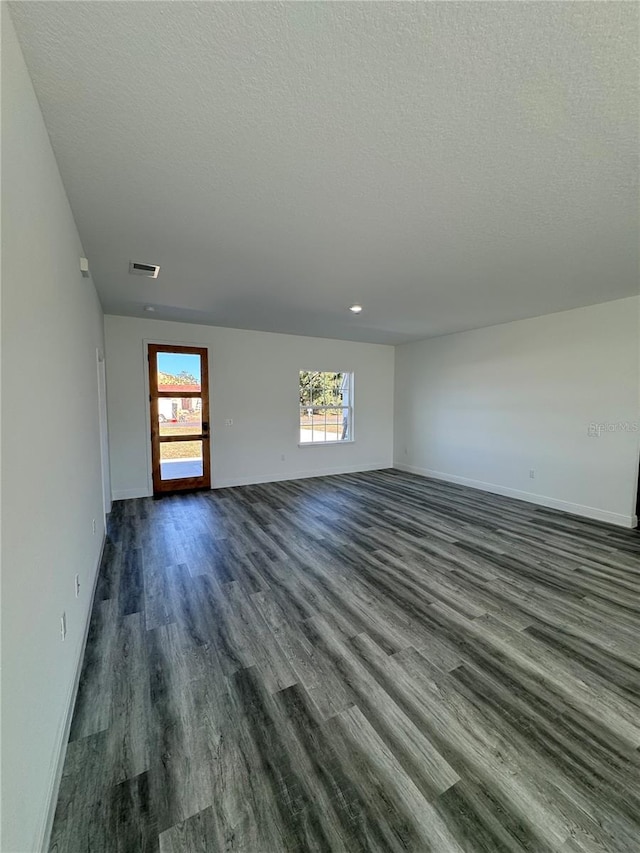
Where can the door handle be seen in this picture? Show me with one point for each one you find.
(205, 427)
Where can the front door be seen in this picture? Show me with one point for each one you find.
(179, 401)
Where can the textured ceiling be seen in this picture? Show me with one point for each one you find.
(448, 165)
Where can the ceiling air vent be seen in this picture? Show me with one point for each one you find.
(150, 270)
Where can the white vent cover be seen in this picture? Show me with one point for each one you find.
(150, 270)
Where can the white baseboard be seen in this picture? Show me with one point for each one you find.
(542, 500)
(254, 480)
(127, 494)
(63, 738)
(297, 475)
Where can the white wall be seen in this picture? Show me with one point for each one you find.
(484, 407)
(253, 381)
(51, 489)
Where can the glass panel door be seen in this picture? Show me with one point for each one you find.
(179, 400)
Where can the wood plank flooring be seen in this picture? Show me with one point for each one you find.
(368, 662)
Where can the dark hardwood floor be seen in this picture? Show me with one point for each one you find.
(368, 662)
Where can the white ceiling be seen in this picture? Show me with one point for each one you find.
(448, 165)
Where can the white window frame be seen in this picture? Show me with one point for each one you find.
(350, 407)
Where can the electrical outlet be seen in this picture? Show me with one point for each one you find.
(228, 422)
(282, 458)
(77, 586)
(63, 626)
(93, 526)
(532, 474)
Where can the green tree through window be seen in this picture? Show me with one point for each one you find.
(326, 407)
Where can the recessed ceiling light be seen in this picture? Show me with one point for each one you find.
(355, 308)
(149, 308)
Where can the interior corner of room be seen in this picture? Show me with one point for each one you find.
(529, 391)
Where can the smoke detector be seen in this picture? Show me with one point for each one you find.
(148, 270)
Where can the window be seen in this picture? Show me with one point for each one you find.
(326, 407)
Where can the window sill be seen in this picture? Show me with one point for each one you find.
(325, 443)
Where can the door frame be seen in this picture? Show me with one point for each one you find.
(157, 485)
(103, 423)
